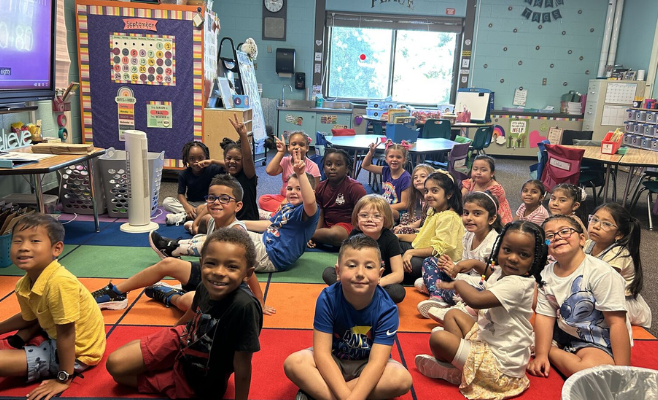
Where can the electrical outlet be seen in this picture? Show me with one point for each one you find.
(543, 82)
(269, 49)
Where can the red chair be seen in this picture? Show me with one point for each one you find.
(562, 166)
(343, 132)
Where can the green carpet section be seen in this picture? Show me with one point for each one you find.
(308, 269)
(109, 261)
(13, 270)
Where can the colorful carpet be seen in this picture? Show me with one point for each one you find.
(111, 254)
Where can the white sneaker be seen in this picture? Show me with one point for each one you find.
(176, 219)
(262, 214)
(425, 305)
(437, 328)
(438, 314)
(420, 286)
(433, 368)
(188, 225)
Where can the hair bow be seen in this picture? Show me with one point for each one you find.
(404, 144)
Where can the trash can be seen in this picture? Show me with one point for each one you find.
(609, 382)
(116, 180)
(75, 190)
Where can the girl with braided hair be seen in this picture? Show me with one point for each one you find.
(488, 358)
(193, 183)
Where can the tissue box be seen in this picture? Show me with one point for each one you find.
(241, 101)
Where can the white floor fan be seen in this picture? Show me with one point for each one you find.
(139, 203)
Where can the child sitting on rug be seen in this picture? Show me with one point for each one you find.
(223, 201)
(353, 333)
(52, 299)
(215, 339)
(284, 236)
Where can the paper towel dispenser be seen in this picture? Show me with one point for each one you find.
(285, 61)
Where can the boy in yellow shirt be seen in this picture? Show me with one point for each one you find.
(52, 299)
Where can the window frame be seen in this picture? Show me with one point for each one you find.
(396, 24)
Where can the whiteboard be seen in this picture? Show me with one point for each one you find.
(475, 102)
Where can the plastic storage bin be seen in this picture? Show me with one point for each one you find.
(399, 132)
(612, 383)
(630, 115)
(608, 146)
(116, 180)
(641, 116)
(629, 126)
(75, 190)
(5, 244)
(651, 117)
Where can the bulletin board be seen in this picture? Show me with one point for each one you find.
(143, 68)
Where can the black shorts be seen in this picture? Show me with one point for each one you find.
(195, 277)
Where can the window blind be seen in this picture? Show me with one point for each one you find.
(401, 22)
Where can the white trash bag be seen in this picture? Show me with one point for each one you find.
(609, 382)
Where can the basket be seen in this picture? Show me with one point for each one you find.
(116, 181)
(399, 132)
(75, 191)
(609, 147)
(5, 244)
(607, 382)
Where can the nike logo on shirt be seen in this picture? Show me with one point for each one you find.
(389, 333)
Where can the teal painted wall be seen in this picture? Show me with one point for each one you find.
(638, 25)
(535, 65)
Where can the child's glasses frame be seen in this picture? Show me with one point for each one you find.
(223, 199)
(605, 225)
(564, 233)
(374, 217)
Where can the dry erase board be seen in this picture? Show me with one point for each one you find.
(475, 102)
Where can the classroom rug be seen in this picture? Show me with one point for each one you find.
(111, 254)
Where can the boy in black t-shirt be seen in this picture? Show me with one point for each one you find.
(215, 338)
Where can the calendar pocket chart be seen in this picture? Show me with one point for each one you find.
(143, 59)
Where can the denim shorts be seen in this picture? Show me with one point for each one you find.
(571, 344)
(43, 362)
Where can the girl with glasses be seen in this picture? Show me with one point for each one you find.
(568, 199)
(581, 312)
(373, 217)
(614, 237)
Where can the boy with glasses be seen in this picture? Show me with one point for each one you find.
(282, 239)
(226, 195)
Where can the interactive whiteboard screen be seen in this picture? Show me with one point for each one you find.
(475, 102)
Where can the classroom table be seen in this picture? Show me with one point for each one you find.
(593, 153)
(358, 143)
(463, 127)
(52, 164)
(637, 158)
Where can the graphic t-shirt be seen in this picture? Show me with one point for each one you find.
(355, 331)
(285, 239)
(337, 202)
(393, 188)
(389, 247)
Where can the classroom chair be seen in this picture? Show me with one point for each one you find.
(481, 140)
(562, 166)
(591, 173)
(436, 128)
(457, 163)
(650, 184)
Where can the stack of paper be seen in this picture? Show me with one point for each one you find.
(62, 148)
(572, 107)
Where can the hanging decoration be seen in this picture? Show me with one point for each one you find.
(538, 12)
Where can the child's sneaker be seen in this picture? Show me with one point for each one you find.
(162, 245)
(301, 395)
(262, 214)
(109, 298)
(176, 219)
(426, 305)
(433, 368)
(437, 328)
(188, 225)
(419, 284)
(162, 293)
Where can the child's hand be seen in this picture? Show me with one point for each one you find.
(372, 147)
(406, 262)
(298, 165)
(267, 310)
(239, 127)
(280, 145)
(539, 366)
(399, 228)
(310, 244)
(204, 163)
(190, 211)
(48, 389)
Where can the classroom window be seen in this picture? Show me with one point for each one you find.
(389, 58)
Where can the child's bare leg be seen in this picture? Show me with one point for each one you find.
(173, 267)
(445, 344)
(125, 363)
(395, 381)
(569, 363)
(13, 363)
(203, 224)
(333, 236)
(183, 302)
(300, 368)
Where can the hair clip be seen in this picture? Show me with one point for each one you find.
(484, 278)
(492, 266)
(405, 144)
(548, 242)
(444, 172)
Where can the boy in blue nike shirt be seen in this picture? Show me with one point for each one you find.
(353, 333)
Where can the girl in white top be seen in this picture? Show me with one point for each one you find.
(615, 238)
(482, 223)
(586, 299)
(488, 359)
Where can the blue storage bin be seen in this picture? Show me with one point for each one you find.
(399, 132)
(5, 244)
(374, 112)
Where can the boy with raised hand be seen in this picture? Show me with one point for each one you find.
(284, 236)
(52, 298)
(224, 201)
(353, 332)
(215, 338)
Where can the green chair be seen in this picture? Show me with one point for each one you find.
(436, 128)
(482, 139)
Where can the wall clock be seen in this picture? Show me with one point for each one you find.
(274, 19)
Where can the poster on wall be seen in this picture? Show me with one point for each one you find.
(518, 134)
(125, 100)
(159, 115)
(143, 59)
